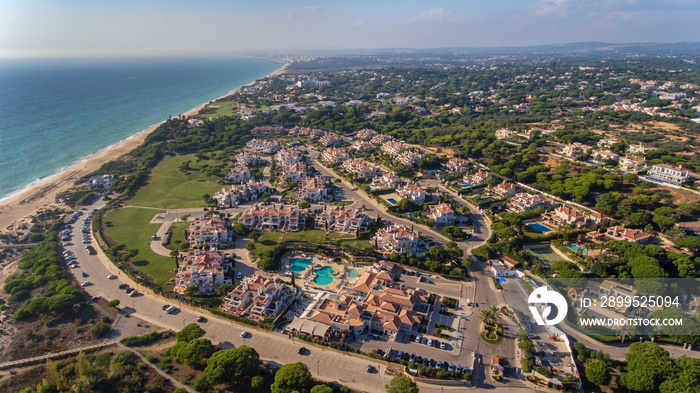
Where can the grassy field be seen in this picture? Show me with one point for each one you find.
(343, 203)
(129, 225)
(270, 239)
(223, 108)
(178, 234)
(545, 254)
(170, 188)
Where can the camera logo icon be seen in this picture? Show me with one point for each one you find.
(543, 296)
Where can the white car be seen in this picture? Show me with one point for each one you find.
(66, 244)
(111, 277)
(244, 334)
(86, 284)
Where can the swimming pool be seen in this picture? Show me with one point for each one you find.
(430, 170)
(465, 185)
(323, 275)
(298, 265)
(539, 228)
(501, 280)
(577, 248)
(391, 200)
(353, 273)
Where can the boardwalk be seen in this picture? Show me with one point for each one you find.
(42, 358)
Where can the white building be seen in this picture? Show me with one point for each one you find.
(413, 192)
(203, 269)
(397, 238)
(634, 164)
(669, 173)
(442, 214)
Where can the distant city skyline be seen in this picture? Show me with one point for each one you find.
(167, 27)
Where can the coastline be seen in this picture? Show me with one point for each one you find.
(41, 193)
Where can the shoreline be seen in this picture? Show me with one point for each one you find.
(41, 193)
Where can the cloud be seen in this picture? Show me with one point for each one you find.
(307, 9)
(433, 15)
(360, 23)
(547, 7)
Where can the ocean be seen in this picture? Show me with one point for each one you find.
(56, 112)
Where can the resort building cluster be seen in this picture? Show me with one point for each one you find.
(204, 269)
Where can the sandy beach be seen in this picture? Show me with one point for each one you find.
(20, 207)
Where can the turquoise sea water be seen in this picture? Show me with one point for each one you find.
(299, 265)
(56, 112)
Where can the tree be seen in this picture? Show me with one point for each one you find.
(647, 366)
(322, 389)
(113, 303)
(192, 353)
(224, 289)
(690, 242)
(231, 364)
(190, 332)
(685, 378)
(401, 384)
(304, 205)
(598, 372)
(255, 235)
(257, 382)
(291, 377)
(192, 290)
(663, 221)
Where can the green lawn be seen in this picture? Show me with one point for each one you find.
(343, 203)
(270, 239)
(130, 225)
(170, 188)
(223, 108)
(178, 234)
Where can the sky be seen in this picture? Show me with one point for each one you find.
(134, 27)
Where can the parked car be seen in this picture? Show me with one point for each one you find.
(302, 351)
(122, 286)
(170, 309)
(201, 319)
(84, 274)
(165, 307)
(419, 338)
(369, 368)
(244, 334)
(112, 277)
(439, 364)
(443, 345)
(86, 284)
(134, 293)
(451, 367)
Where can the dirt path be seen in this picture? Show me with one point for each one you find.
(7, 329)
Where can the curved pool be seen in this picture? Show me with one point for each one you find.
(298, 265)
(353, 273)
(323, 275)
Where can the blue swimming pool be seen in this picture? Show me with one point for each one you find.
(465, 185)
(539, 228)
(577, 248)
(353, 273)
(501, 280)
(391, 200)
(324, 275)
(298, 265)
(430, 170)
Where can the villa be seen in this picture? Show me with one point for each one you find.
(245, 192)
(629, 234)
(523, 202)
(457, 165)
(361, 146)
(272, 218)
(288, 156)
(410, 158)
(365, 134)
(258, 297)
(574, 150)
(238, 174)
(601, 156)
(263, 146)
(294, 172)
(564, 216)
(669, 173)
(442, 214)
(203, 269)
(267, 130)
(633, 164)
(397, 238)
(505, 133)
(312, 189)
(101, 181)
(330, 139)
(342, 220)
(384, 309)
(385, 181)
(248, 159)
(639, 149)
(361, 168)
(413, 192)
(308, 132)
(393, 148)
(607, 142)
(335, 155)
(503, 190)
(477, 178)
(379, 139)
(211, 231)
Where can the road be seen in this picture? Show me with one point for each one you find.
(325, 364)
